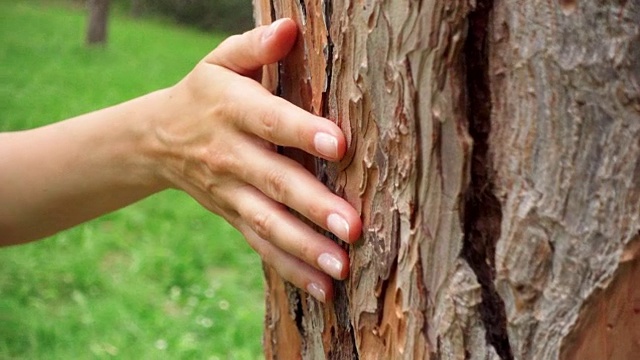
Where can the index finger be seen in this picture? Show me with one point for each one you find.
(282, 123)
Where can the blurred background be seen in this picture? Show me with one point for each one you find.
(161, 279)
(229, 16)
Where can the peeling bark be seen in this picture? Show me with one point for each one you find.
(494, 157)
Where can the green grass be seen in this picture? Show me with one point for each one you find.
(162, 279)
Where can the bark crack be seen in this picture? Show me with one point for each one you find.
(343, 337)
(483, 212)
(303, 8)
(297, 312)
(272, 11)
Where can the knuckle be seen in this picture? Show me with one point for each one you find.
(227, 109)
(277, 185)
(269, 124)
(305, 253)
(302, 139)
(223, 110)
(262, 224)
(220, 162)
(316, 210)
(230, 42)
(234, 38)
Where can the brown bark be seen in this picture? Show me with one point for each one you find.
(494, 155)
(137, 8)
(565, 141)
(98, 21)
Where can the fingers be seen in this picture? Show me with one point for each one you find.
(269, 117)
(278, 121)
(267, 183)
(247, 53)
(287, 182)
(272, 221)
(292, 269)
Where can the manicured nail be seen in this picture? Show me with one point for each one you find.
(316, 291)
(339, 226)
(331, 265)
(272, 29)
(326, 145)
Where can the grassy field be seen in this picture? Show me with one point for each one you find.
(162, 279)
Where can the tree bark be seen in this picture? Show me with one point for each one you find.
(137, 8)
(494, 154)
(98, 21)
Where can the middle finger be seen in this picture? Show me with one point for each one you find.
(289, 183)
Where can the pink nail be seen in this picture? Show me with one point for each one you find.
(326, 145)
(339, 226)
(316, 291)
(331, 265)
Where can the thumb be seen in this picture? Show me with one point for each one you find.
(246, 54)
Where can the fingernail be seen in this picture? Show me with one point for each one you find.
(272, 29)
(316, 291)
(339, 226)
(326, 145)
(331, 265)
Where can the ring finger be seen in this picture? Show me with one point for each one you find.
(274, 223)
(292, 269)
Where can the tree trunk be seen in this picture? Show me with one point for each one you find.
(137, 8)
(98, 21)
(494, 154)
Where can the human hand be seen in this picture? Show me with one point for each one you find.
(216, 140)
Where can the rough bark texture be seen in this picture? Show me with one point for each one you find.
(494, 154)
(565, 144)
(98, 21)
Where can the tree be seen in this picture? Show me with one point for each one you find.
(495, 157)
(137, 8)
(98, 21)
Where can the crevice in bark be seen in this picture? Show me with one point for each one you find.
(295, 302)
(321, 165)
(328, 55)
(483, 213)
(272, 10)
(278, 91)
(418, 167)
(343, 341)
(343, 337)
(303, 8)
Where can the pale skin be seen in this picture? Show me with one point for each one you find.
(212, 135)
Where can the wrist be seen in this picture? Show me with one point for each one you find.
(153, 141)
(142, 153)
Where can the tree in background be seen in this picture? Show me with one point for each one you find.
(97, 24)
(230, 16)
(495, 156)
(138, 7)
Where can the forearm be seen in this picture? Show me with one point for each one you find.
(58, 176)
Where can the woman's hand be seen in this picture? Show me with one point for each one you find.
(212, 135)
(215, 139)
